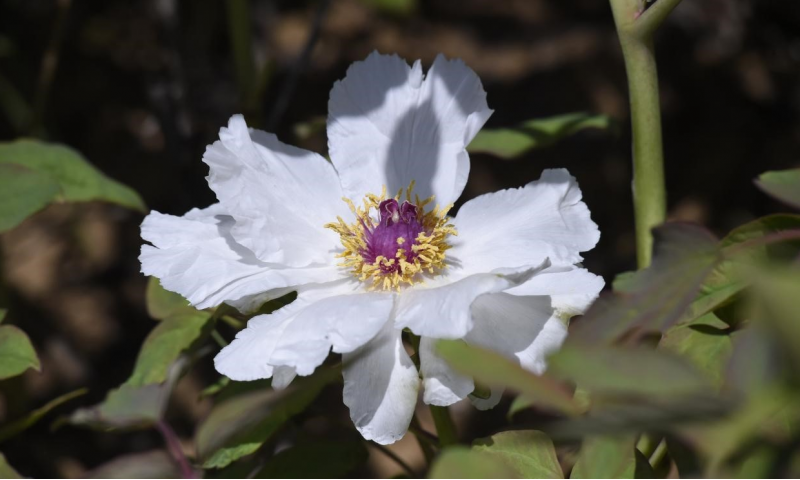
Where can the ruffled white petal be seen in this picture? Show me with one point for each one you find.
(196, 256)
(302, 334)
(441, 308)
(571, 289)
(281, 196)
(488, 403)
(509, 228)
(388, 125)
(442, 385)
(380, 387)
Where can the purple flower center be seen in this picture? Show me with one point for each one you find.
(398, 229)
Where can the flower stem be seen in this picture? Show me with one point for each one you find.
(175, 450)
(445, 428)
(635, 28)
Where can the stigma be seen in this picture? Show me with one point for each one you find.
(393, 244)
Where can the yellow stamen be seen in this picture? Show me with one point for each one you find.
(429, 248)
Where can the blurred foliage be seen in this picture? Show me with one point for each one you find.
(511, 143)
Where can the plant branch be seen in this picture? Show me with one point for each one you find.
(652, 18)
(399, 461)
(445, 428)
(49, 66)
(649, 191)
(175, 450)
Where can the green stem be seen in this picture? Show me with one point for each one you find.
(445, 428)
(659, 454)
(635, 29)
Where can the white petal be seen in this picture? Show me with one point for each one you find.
(282, 376)
(525, 329)
(387, 126)
(280, 196)
(488, 403)
(343, 323)
(196, 256)
(509, 228)
(441, 309)
(572, 289)
(301, 334)
(380, 387)
(442, 385)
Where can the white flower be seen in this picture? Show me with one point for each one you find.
(502, 274)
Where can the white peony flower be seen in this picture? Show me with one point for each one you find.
(367, 263)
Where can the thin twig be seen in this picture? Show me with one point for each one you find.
(49, 66)
(290, 83)
(396, 459)
(175, 449)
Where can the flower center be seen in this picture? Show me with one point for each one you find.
(392, 243)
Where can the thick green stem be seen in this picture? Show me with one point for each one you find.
(445, 428)
(635, 28)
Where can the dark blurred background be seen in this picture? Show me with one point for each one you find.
(141, 87)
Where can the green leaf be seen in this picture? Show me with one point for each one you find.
(606, 457)
(625, 371)
(784, 185)
(79, 181)
(239, 426)
(3, 313)
(655, 298)
(492, 369)
(529, 453)
(162, 304)
(462, 462)
(17, 426)
(332, 459)
(152, 464)
(127, 407)
(778, 293)
(6, 471)
(164, 344)
(23, 192)
(16, 352)
(510, 143)
(704, 342)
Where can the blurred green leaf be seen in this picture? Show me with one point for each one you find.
(78, 179)
(783, 185)
(625, 371)
(162, 304)
(3, 313)
(778, 292)
(655, 298)
(606, 457)
(164, 344)
(13, 428)
(704, 342)
(492, 369)
(462, 462)
(152, 464)
(127, 407)
(769, 413)
(510, 143)
(755, 363)
(239, 426)
(332, 459)
(529, 453)
(23, 192)
(16, 352)
(642, 414)
(393, 7)
(6, 471)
